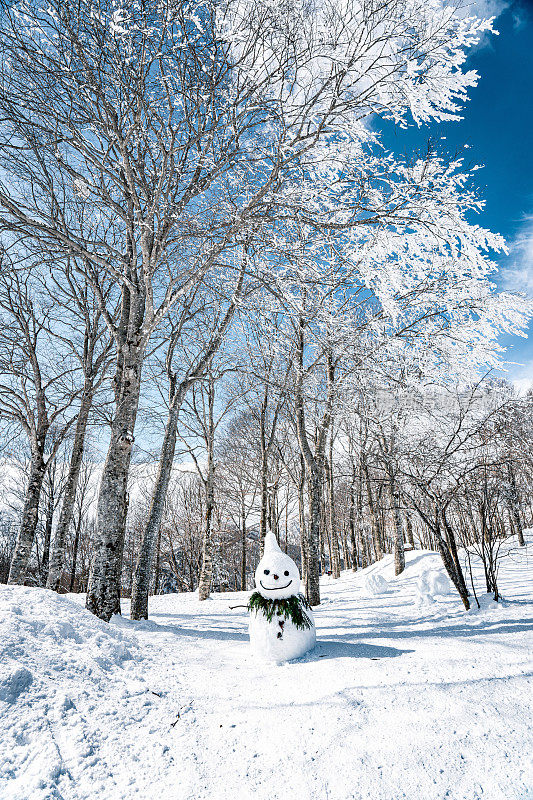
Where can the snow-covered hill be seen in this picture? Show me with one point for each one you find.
(406, 696)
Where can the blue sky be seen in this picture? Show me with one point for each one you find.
(497, 127)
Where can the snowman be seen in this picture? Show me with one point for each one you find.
(281, 621)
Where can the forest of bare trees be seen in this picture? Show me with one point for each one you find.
(225, 308)
(402, 467)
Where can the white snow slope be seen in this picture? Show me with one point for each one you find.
(405, 696)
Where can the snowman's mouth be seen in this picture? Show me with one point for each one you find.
(274, 588)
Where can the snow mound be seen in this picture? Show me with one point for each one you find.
(57, 661)
(375, 584)
(44, 635)
(13, 681)
(430, 584)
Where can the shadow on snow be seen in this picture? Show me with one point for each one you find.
(328, 648)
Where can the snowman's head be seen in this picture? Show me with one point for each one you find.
(276, 576)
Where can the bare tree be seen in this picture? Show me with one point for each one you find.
(314, 457)
(238, 474)
(37, 392)
(177, 392)
(91, 349)
(206, 411)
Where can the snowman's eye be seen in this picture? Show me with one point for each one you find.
(286, 572)
(267, 572)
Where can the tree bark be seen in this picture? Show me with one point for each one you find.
(313, 541)
(399, 552)
(365, 551)
(30, 516)
(143, 567)
(450, 536)
(49, 522)
(103, 591)
(359, 550)
(345, 551)
(353, 540)
(206, 572)
(75, 554)
(157, 563)
(450, 568)
(409, 528)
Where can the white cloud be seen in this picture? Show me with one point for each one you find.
(519, 19)
(518, 276)
(521, 374)
(487, 8)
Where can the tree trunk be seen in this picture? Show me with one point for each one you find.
(49, 521)
(273, 512)
(143, 567)
(345, 551)
(67, 508)
(75, 555)
(206, 572)
(372, 510)
(449, 563)
(353, 540)
(450, 536)
(450, 569)
(514, 505)
(335, 566)
(103, 591)
(365, 551)
(303, 527)
(30, 516)
(314, 480)
(313, 541)
(287, 497)
(157, 563)
(399, 552)
(243, 541)
(325, 538)
(409, 529)
(264, 481)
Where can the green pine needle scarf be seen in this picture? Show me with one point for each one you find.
(290, 608)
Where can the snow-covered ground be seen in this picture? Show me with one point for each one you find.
(405, 696)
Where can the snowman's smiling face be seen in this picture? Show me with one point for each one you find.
(277, 576)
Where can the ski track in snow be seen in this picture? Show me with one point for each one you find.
(406, 696)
